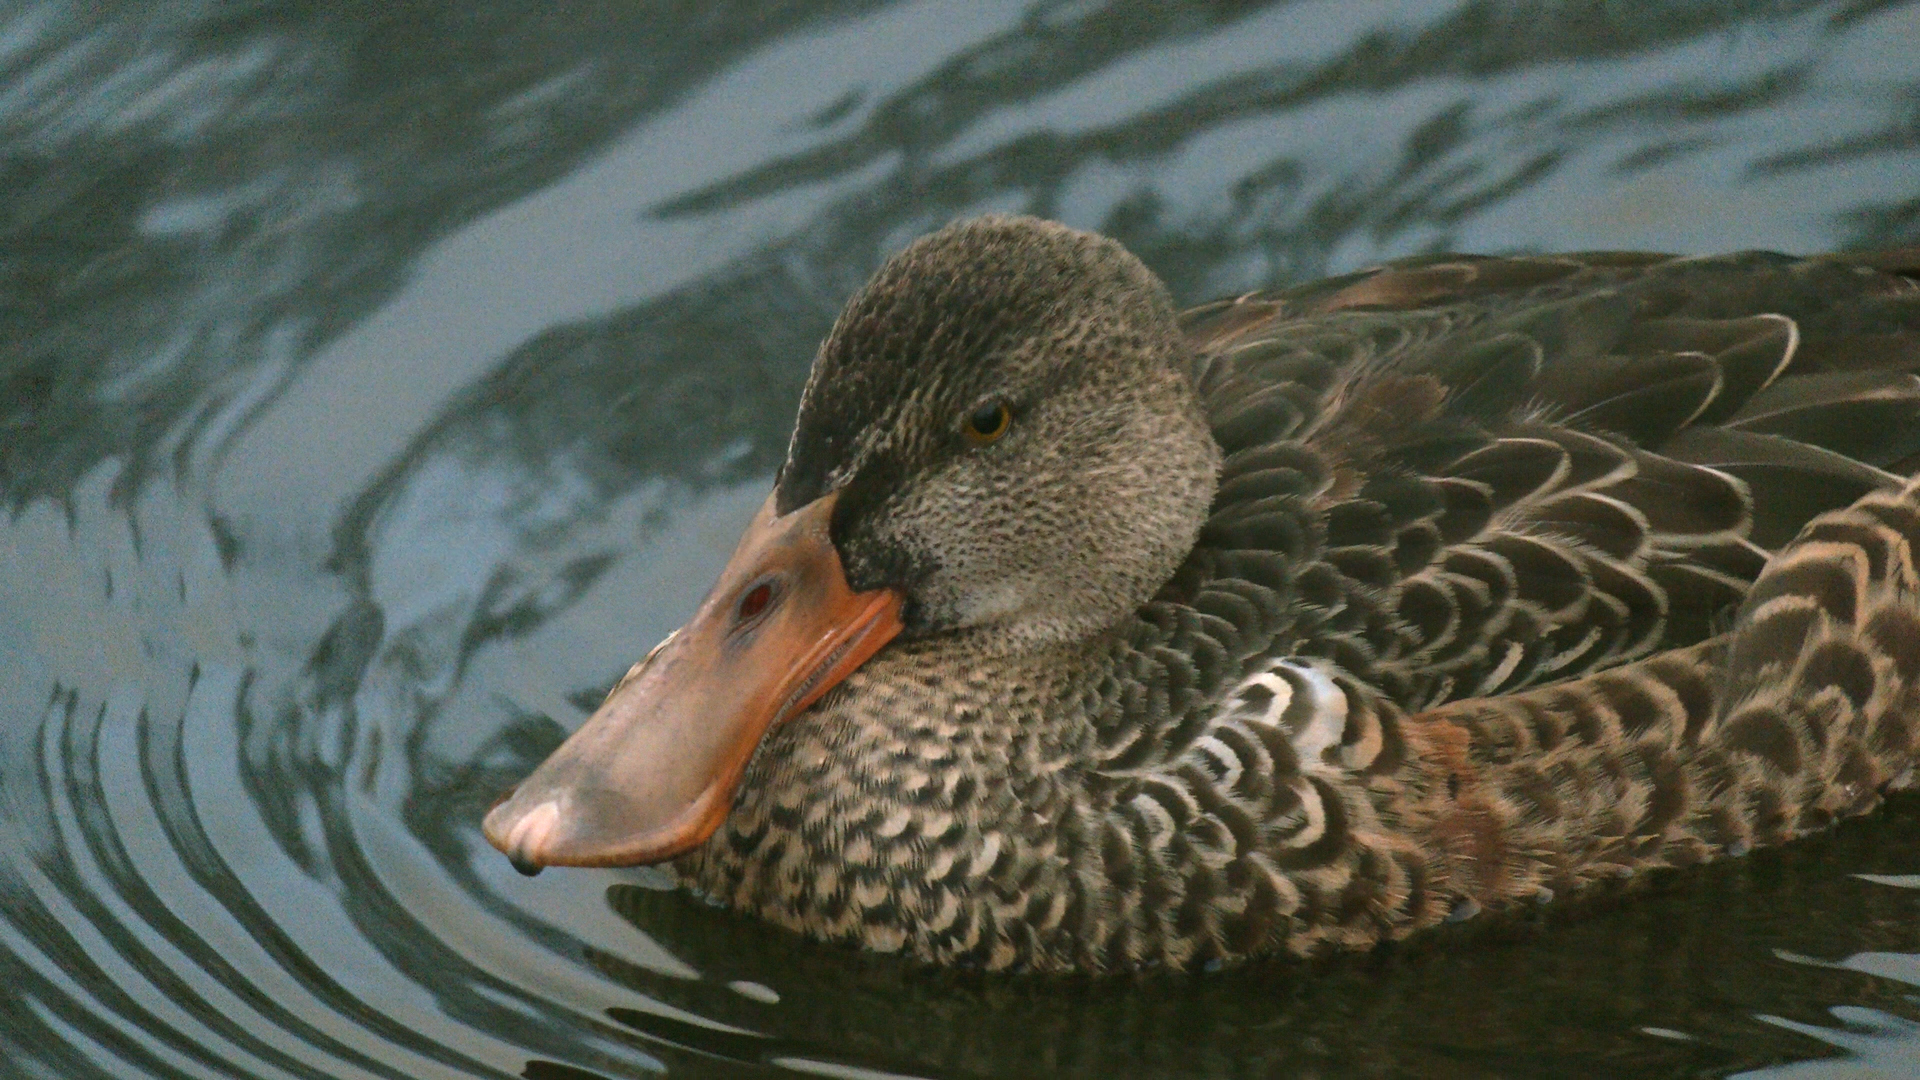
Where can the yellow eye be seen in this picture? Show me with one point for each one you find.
(988, 423)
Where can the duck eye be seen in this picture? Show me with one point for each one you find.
(988, 423)
(754, 602)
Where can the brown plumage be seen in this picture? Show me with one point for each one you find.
(1309, 619)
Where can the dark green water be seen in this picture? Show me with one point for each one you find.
(378, 381)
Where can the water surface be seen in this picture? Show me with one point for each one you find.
(380, 380)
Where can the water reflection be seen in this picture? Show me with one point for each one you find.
(380, 381)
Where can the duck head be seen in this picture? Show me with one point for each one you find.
(999, 445)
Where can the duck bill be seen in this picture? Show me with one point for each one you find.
(653, 772)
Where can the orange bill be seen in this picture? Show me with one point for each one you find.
(653, 772)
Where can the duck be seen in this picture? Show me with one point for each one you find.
(1083, 634)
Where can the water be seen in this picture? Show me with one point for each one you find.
(378, 381)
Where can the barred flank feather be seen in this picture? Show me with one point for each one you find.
(1802, 714)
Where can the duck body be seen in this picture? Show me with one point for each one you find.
(1306, 620)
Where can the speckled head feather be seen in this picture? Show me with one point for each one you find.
(1096, 491)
